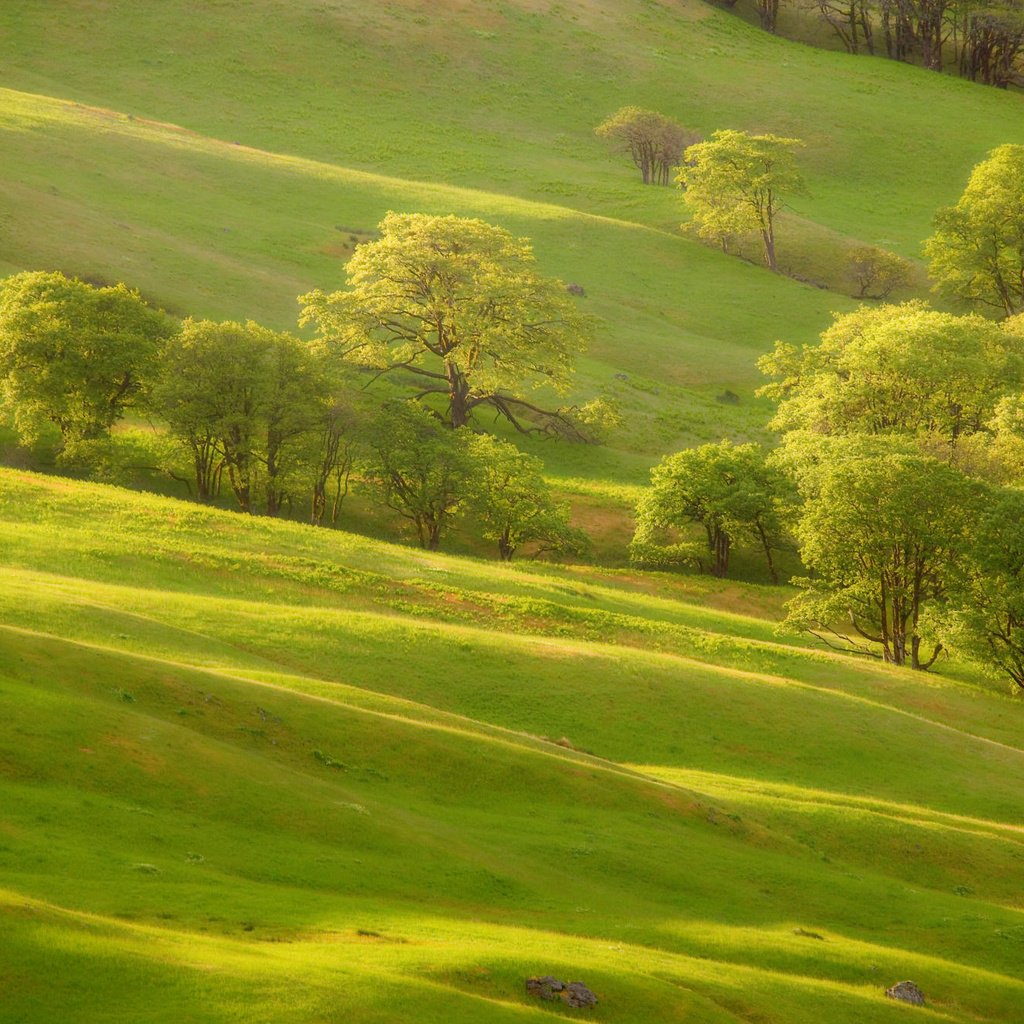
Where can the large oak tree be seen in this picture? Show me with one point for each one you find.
(457, 304)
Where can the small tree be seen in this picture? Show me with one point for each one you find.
(884, 537)
(736, 183)
(654, 142)
(457, 304)
(725, 489)
(421, 470)
(74, 355)
(512, 503)
(877, 273)
(977, 251)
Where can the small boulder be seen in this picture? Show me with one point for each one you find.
(577, 994)
(906, 992)
(573, 993)
(544, 988)
(576, 289)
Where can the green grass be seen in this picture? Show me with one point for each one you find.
(284, 759)
(251, 771)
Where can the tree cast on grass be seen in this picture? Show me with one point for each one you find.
(457, 304)
(736, 183)
(727, 490)
(74, 355)
(654, 142)
(977, 251)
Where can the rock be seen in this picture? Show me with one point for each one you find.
(574, 994)
(906, 992)
(576, 289)
(544, 988)
(577, 994)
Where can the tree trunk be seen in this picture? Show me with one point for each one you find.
(721, 552)
(458, 396)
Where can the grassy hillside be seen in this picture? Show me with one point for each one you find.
(255, 771)
(301, 124)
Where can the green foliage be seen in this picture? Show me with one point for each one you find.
(457, 304)
(73, 355)
(727, 490)
(896, 370)
(986, 621)
(421, 470)
(877, 273)
(736, 183)
(511, 502)
(884, 536)
(977, 251)
(654, 142)
(241, 398)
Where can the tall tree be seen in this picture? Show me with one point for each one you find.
(459, 305)
(726, 490)
(240, 397)
(736, 183)
(884, 537)
(422, 471)
(977, 251)
(74, 355)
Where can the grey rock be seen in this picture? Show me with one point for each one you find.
(906, 992)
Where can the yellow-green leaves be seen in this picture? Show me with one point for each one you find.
(977, 252)
(735, 184)
(459, 305)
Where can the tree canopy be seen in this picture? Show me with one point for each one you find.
(654, 142)
(736, 183)
(72, 354)
(902, 369)
(884, 535)
(976, 254)
(459, 305)
(727, 490)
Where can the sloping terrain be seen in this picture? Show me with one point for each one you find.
(257, 771)
(301, 124)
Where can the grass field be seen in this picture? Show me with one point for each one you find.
(256, 772)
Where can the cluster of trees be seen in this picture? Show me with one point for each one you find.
(899, 475)
(982, 41)
(454, 306)
(655, 143)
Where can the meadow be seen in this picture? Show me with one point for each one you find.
(255, 771)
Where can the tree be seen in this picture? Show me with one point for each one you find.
(890, 370)
(512, 503)
(240, 397)
(987, 621)
(877, 273)
(459, 305)
(727, 490)
(421, 470)
(977, 251)
(735, 183)
(852, 22)
(654, 142)
(883, 536)
(74, 355)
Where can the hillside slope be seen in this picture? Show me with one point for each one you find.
(301, 124)
(294, 775)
